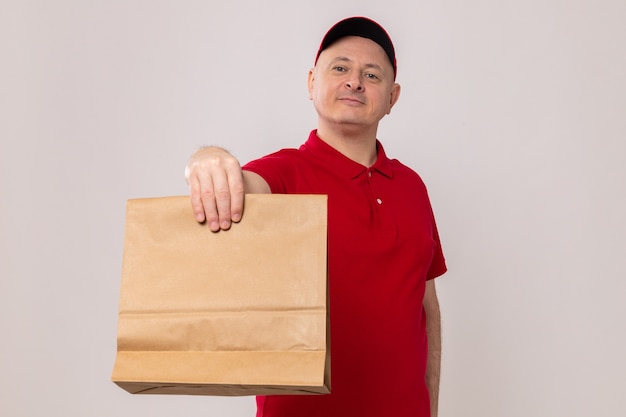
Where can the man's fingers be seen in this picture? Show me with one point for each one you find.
(196, 200)
(236, 195)
(216, 188)
(221, 198)
(211, 184)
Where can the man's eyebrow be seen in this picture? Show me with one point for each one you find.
(375, 66)
(341, 59)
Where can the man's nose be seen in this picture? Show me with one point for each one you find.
(354, 83)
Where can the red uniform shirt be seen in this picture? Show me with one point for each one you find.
(382, 247)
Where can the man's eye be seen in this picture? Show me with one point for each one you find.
(371, 76)
(339, 68)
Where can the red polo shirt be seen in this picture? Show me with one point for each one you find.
(382, 247)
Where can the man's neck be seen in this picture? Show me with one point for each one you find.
(357, 144)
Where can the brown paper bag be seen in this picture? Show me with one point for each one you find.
(241, 312)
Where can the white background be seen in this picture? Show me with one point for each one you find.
(513, 112)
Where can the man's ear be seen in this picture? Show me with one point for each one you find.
(395, 95)
(310, 82)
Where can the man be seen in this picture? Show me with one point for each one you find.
(383, 244)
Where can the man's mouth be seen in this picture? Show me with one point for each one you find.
(351, 100)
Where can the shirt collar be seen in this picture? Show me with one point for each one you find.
(345, 166)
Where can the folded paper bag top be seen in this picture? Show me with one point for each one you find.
(240, 312)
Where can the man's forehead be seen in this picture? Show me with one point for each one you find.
(351, 48)
(351, 45)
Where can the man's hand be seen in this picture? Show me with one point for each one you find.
(433, 331)
(216, 187)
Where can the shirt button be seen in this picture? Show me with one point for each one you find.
(379, 201)
(370, 174)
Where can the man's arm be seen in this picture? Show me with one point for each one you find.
(217, 186)
(433, 330)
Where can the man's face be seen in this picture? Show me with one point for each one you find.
(353, 83)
